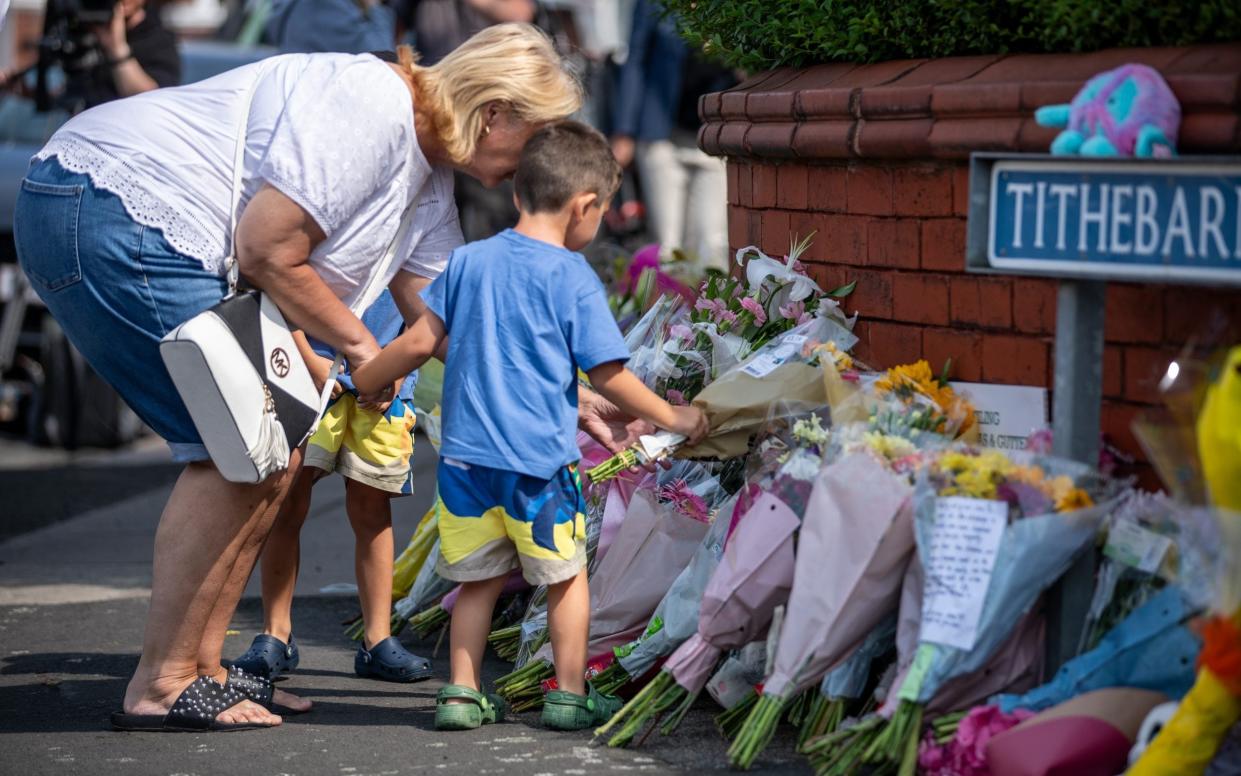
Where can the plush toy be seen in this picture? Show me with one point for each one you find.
(1129, 111)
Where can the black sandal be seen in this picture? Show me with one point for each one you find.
(259, 690)
(194, 712)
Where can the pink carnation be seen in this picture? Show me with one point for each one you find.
(676, 398)
(681, 332)
(756, 309)
(726, 316)
(966, 753)
(715, 307)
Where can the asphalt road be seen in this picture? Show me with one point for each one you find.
(73, 597)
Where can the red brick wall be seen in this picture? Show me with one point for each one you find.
(898, 229)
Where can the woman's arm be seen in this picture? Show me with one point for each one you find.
(274, 241)
(401, 356)
(621, 387)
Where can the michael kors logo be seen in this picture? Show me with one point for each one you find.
(279, 362)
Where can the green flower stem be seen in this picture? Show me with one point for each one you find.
(678, 714)
(909, 753)
(730, 720)
(524, 683)
(428, 621)
(824, 717)
(757, 731)
(633, 715)
(611, 679)
(613, 466)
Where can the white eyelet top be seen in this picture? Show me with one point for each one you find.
(334, 132)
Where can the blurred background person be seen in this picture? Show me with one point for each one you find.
(346, 26)
(140, 53)
(656, 126)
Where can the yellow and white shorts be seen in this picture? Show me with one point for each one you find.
(373, 448)
(492, 521)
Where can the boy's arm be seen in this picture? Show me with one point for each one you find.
(618, 385)
(406, 290)
(318, 366)
(402, 356)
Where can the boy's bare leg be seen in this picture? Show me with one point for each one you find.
(568, 624)
(471, 622)
(217, 626)
(370, 514)
(282, 555)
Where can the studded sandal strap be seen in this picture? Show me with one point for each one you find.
(201, 703)
(255, 688)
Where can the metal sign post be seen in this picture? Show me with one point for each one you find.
(1083, 222)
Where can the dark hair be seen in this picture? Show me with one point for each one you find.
(562, 160)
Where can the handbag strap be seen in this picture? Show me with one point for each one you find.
(369, 291)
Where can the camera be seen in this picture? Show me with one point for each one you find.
(69, 42)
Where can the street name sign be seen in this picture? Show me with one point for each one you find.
(1164, 220)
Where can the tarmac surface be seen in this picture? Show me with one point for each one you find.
(74, 582)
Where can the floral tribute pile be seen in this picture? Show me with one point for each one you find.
(842, 567)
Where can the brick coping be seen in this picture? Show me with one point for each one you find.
(946, 108)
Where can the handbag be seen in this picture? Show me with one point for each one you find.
(237, 368)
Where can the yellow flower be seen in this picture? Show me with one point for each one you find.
(1067, 496)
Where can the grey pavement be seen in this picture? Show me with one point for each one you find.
(73, 598)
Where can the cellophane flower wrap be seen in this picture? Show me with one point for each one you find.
(1022, 520)
(741, 589)
(855, 543)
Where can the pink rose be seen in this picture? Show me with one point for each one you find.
(751, 304)
(676, 398)
(681, 332)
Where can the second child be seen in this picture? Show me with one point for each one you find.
(523, 312)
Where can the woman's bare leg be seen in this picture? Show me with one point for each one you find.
(217, 625)
(207, 523)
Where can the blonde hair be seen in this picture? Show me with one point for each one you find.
(513, 64)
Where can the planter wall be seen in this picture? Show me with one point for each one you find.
(873, 159)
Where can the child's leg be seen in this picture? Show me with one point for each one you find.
(281, 556)
(471, 622)
(370, 514)
(568, 623)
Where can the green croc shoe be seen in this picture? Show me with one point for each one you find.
(480, 709)
(569, 711)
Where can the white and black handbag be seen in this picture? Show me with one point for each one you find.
(238, 369)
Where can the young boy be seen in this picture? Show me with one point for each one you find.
(523, 313)
(369, 443)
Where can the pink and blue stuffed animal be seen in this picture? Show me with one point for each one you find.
(1129, 111)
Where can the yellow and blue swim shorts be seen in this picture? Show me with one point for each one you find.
(492, 521)
(370, 447)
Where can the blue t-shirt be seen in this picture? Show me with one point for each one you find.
(384, 320)
(522, 317)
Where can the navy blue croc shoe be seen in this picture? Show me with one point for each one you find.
(391, 662)
(268, 657)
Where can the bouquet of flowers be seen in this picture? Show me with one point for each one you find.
(854, 545)
(679, 351)
(992, 534)
(753, 577)
(789, 456)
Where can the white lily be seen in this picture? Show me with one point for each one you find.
(794, 286)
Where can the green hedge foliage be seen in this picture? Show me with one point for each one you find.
(759, 34)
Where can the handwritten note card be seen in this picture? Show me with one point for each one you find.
(964, 543)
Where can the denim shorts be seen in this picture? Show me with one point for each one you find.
(116, 287)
